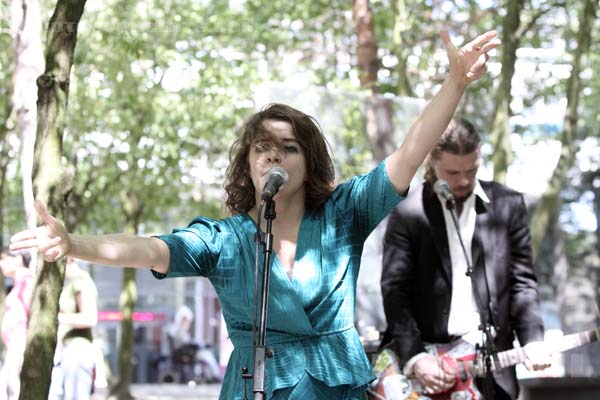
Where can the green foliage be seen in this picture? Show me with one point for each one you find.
(358, 156)
(159, 89)
(580, 245)
(152, 101)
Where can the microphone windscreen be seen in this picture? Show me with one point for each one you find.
(441, 187)
(278, 171)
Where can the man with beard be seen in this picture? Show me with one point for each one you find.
(428, 297)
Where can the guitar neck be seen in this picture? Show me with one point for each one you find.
(515, 356)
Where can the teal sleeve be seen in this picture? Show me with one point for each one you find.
(367, 199)
(194, 250)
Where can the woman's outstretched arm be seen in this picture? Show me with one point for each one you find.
(53, 242)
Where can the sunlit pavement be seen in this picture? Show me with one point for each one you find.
(168, 391)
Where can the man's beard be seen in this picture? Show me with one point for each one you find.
(460, 200)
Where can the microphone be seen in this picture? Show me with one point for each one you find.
(276, 178)
(441, 188)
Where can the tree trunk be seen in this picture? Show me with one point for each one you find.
(50, 185)
(119, 390)
(401, 25)
(26, 33)
(548, 204)
(502, 155)
(380, 128)
(368, 63)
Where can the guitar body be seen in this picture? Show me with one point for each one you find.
(461, 355)
(391, 384)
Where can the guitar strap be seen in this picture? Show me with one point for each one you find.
(487, 312)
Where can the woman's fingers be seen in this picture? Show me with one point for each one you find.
(42, 211)
(34, 238)
(489, 46)
(52, 255)
(24, 235)
(445, 36)
(481, 44)
(50, 239)
(451, 49)
(23, 240)
(484, 42)
(470, 60)
(28, 238)
(478, 69)
(43, 248)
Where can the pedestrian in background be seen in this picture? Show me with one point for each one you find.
(75, 357)
(14, 322)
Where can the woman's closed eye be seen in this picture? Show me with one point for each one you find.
(291, 148)
(262, 147)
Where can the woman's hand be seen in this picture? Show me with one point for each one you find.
(51, 239)
(469, 62)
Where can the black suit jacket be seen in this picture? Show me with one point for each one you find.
(416, 279)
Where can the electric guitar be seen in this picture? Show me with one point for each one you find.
(461, 355)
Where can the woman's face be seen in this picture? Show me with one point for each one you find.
(282, 150)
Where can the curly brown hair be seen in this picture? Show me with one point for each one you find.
(320, 172)
(460, 138)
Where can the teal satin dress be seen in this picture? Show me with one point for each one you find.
(310, 321)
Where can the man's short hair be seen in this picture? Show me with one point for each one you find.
(459, 138)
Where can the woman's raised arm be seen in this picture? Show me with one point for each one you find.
(466, 65)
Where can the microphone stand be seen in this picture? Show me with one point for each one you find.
(260, 350)
(488, 350)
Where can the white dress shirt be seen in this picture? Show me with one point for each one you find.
(464, 317)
